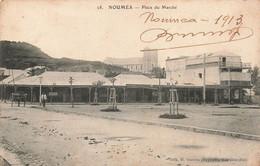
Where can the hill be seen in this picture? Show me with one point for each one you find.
(22, 55)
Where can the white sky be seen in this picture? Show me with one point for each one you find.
(76, 29)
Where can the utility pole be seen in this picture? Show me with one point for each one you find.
(13, 81)
(4, 91)
(71, 91)
(113, 94)
(229, 85)
(40, 98)
(204, 80)
(159, 93)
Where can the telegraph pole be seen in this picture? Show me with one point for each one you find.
(204, 80)
(71, 91)
(113, 93)
(13, 81)
(159, 93)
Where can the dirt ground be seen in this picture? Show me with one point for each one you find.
(234, 118)
(41, 137)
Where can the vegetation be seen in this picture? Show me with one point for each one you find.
(173, 116)
(110, 109)
(35, 72)
(22, 55)
(158, 72)
(254, 76)
(97, 85)
(110, 72)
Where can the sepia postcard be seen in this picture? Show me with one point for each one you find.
(129, 83)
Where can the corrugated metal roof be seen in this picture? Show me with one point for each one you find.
(50, 78)
(62, 78)
(163, 81)
(131, 79)
(15, 72)
(13, 75)
(2, 70)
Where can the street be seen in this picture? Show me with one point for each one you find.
(40, 137)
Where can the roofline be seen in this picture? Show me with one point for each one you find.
(125, 85)
(184, 57)
(124, 58)
(195, 56)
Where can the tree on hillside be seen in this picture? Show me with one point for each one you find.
(158, 72)
(85, 69)
(31, 72)
(110, 73)
(36, 72)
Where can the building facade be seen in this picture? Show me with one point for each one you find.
(133, 64)
(143, 64)
(225, 78)
(150, 60)
(222, 70)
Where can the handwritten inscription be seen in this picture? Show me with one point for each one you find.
(223, 35)
(162, 33)
(227, 20)
(149, 17)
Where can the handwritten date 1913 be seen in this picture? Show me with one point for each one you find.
(228, 19)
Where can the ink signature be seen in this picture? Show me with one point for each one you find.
(228, 35)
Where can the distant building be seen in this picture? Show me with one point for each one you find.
(223, 69)
(150, 60)
(143, 64)
(133, 64)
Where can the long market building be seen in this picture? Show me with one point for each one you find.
(225, 78)
(129, 88)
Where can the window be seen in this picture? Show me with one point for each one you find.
(200, 75)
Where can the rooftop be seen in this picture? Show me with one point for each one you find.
(62, 78)
(128, 79)
(13, 76)
(123, 61)
(220, 53)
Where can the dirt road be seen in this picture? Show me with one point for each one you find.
(239, 119)
(47, 138)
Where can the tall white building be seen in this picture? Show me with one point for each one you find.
(143, 64)
(150, 60)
